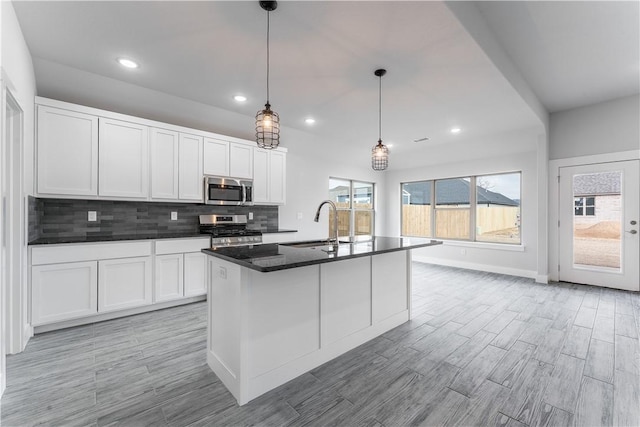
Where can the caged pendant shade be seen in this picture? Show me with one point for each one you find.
(380, 152)
(267, 120)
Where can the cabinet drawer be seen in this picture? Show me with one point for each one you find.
(176, 246)
(75, 252)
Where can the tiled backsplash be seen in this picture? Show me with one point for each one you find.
(68, 218)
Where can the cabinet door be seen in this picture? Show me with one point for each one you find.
(195, 265)
(67, 152)
(123, 159)
(169, 282)
(216, 157)
(277, 177)
(63, 291)
(164, 164)
(241, 161)
(190, 168)
(260, 175)
(124, 283)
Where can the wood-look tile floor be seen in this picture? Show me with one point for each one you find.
(482, 349)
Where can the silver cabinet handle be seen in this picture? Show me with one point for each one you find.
(632, 231)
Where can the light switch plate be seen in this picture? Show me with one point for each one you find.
(174, 216)
(92, 216)
(222, 272)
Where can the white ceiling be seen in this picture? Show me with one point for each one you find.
(572, 53)
(323, 55)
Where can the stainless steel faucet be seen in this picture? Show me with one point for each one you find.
(335, 220)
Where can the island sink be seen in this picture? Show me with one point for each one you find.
(308, 243)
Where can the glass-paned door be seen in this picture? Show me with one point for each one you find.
(598, 229)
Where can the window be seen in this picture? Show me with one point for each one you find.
(482, 208)
(498, 208)
(453, 208)
(416, 209)
(354, 200)
(584, 206)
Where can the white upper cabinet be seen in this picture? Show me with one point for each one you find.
(260, 175)
(277, 177)
(216, 157)
(241, 161)
(83, 152)
(67, 152)
(190, 168)
(123, 159)
(269, 176)
(164, 164)
(224, 158)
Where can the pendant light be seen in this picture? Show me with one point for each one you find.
(267, 120)
(380, 152)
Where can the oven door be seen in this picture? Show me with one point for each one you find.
(223, 191)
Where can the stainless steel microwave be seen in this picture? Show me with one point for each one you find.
(227, 191)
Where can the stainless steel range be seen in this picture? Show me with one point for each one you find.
(229, 230)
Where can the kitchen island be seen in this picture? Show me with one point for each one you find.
(277, 311)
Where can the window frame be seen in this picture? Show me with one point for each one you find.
(584, 206)
(352, 210)
(473, 206)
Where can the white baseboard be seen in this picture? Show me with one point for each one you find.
(542, 278)
(116, 314)
(27, 333)
(479, 267)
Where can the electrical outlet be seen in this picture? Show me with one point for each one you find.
(222, 273)
(299, 216)
(174, 216)
(463, 251)
(92, 216)
(250, 215)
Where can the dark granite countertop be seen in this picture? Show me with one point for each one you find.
(116, 238)
(273, 257)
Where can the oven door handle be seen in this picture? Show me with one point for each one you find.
(244, 194)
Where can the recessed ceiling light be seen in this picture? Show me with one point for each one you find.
(127, 63)
(240, 98)
(309, 120)
(455, 130)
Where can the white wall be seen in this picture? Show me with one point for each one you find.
(516, 151)
(607, 127)
(308, 172)
(18, 78)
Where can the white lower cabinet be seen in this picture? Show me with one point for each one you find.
(73, 282)
(195, 281)
(180, 270)
(124, 283)
(169, 282)
(64, 291)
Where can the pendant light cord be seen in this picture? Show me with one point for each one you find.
(380, 111)
(268, 13)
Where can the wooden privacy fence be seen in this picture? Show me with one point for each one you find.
(362, 220)
(454, 223)
(416, 220)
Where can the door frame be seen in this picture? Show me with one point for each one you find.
(554, 194)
